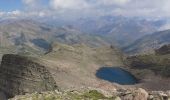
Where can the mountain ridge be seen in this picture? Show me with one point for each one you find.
(148, 43)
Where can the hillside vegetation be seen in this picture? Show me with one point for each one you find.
(158, 62)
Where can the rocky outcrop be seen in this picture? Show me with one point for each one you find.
(159, 64)
(137, 62)
(20, 75)
(163, 50)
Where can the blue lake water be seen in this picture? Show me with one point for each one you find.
(41, 43)
(116, 75)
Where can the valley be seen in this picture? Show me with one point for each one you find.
(72, 60)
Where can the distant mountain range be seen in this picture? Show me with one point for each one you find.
(148, 43)
(32, 36)
(119, 30)
(29, 36)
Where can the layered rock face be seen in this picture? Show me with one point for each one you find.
(20, 75)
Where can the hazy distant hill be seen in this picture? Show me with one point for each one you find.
(117, 30)
(148, 43)
(32, 36)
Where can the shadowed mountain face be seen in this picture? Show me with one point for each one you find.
(163, 50)
(157, 63)
(148, 43)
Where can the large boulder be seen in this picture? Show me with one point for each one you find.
(20, 75)
(136, 94)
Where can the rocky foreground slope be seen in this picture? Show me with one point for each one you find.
(97, 94)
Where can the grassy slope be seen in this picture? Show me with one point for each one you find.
(157, 63)
(68, 95)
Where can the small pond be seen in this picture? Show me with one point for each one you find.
(41, 43)
(116, 75)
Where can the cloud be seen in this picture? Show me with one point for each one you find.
(16, 12)
(113, 2)
(130, 8)
(138, 8)
(30, 2)
(86, 8)
(23, 14)
(68, 4)
(165, 26)
(11, 14)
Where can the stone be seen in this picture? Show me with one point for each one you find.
(141, 94)
(2, 96)
(117, 98)
(168, 93)
(128, 97)
(150, 97)
(163, 95)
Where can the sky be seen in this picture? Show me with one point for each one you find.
(10, 5)
(85, 8)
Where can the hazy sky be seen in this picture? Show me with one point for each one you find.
(85, 8)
